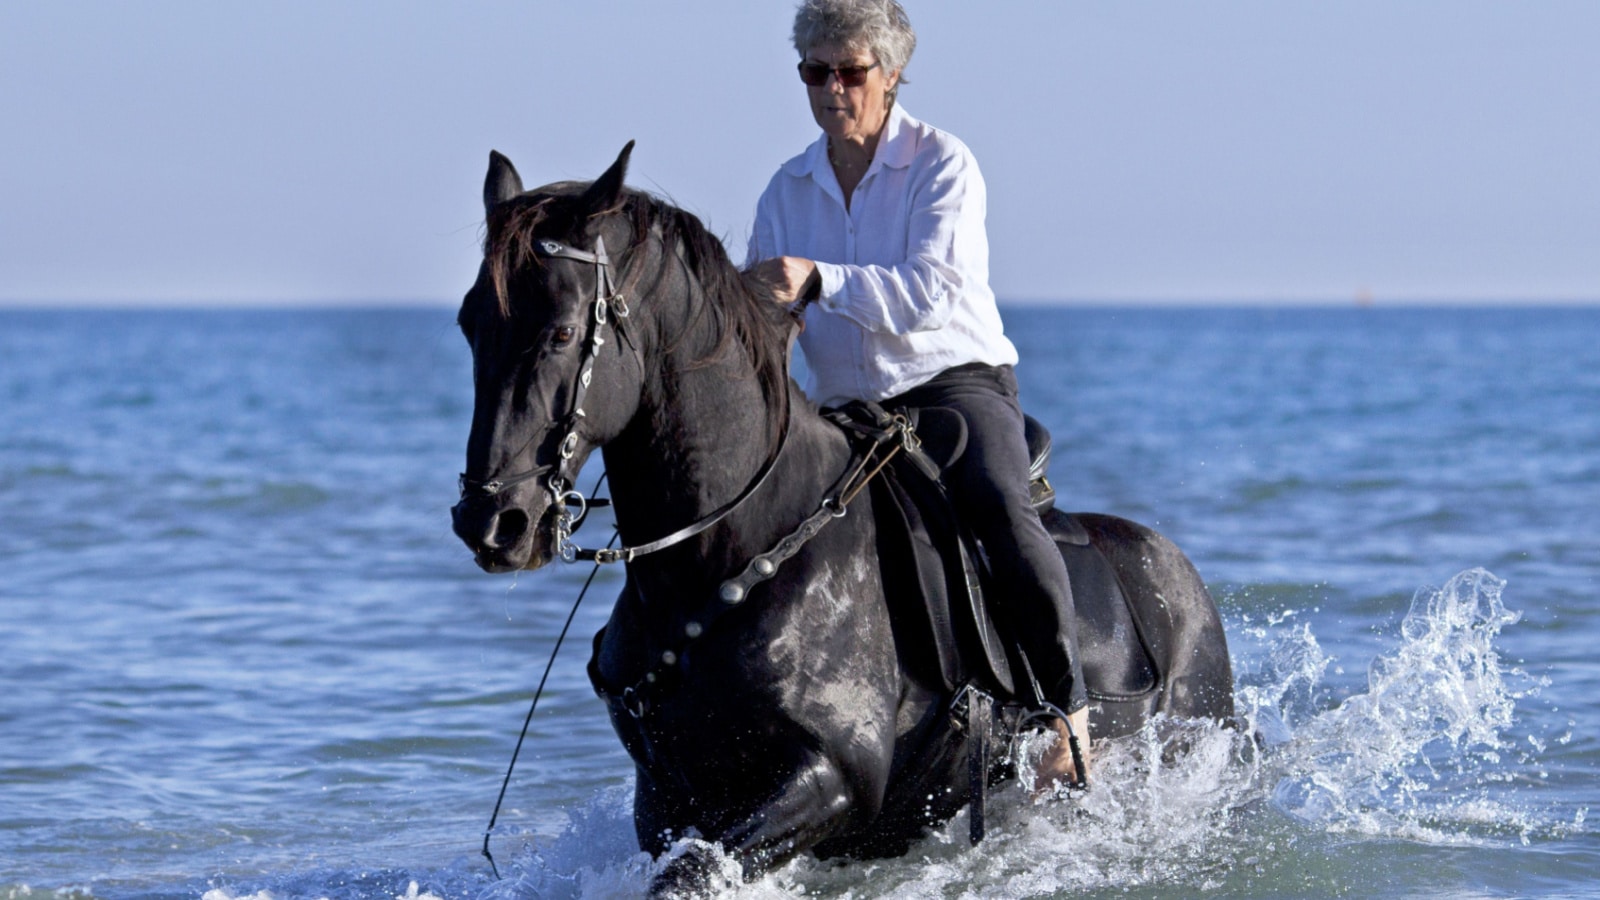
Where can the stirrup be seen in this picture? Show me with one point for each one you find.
(1043, 711)
(1043, 714)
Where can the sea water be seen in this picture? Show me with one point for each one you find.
(242, 656)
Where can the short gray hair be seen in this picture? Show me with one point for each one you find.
(880, 26)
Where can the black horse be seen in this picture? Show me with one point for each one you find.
(754, 671)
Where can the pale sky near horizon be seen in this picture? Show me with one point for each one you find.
(184, 152)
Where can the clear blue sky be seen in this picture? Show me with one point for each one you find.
(228, 152)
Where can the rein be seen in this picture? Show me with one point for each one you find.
(527, 721)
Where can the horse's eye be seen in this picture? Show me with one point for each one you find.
(563, 335)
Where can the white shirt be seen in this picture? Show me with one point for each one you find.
(905, 270)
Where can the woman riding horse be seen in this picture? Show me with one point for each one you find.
(761, 664)
(882, 221)
(765, 664)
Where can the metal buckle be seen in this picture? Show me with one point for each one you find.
(608, 555)
(962, 702)
(908, 434)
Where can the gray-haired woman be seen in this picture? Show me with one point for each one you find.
(882, 220)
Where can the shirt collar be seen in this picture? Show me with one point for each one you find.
(899, 144)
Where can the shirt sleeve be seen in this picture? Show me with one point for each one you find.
(762, 241)
(946, 249)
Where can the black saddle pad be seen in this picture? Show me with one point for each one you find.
(1117, 662)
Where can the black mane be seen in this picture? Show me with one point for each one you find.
(741, 308)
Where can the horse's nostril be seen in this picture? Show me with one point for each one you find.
(506, 529)
(485, 529)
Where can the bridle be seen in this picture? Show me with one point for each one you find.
(608, 303)
(609, 306)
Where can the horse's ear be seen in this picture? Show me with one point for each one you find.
(607, 189)
(502, 182)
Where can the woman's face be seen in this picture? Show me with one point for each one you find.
(855, 113)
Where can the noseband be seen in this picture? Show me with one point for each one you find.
(609, 304)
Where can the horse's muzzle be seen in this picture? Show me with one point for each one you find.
(502, 538)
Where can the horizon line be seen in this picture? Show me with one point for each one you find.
(1210, 301)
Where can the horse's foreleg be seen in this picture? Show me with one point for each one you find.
(808, 808)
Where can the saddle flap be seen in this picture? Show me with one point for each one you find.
(936, 601)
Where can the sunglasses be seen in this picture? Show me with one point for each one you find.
(816, 74)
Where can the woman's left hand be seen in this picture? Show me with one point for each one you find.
(790, 278)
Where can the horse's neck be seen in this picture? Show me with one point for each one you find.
(704, 445)
(696, 426)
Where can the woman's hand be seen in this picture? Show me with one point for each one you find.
(790, 278)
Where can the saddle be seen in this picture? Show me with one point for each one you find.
(949, 633)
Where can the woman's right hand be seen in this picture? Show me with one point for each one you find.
(791, 279)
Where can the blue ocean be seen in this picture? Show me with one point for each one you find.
(242, 656)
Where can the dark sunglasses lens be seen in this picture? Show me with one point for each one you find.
(814, 74)
(853, 76)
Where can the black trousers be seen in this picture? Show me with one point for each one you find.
(990, 487)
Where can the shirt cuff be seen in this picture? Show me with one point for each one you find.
(831, 296)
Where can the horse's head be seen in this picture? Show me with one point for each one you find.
(552, 380)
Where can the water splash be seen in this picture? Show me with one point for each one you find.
(1423, 754)
(595, 856)
(1420, 754)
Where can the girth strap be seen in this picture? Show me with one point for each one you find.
(979, 723)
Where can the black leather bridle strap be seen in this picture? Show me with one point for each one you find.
(608, 303)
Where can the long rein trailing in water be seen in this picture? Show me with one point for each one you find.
(527, 721)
